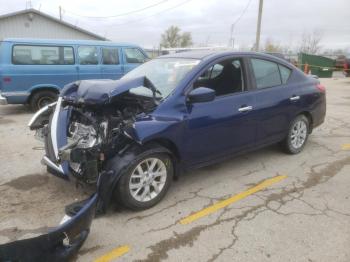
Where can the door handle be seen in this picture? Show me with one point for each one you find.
(245, 109)
(294, 98)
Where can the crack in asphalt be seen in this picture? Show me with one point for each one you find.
(85, 251)
(195, 194)
(160, 250)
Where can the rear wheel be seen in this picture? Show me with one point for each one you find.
(145, 180)
(42, 98)
(297, 135)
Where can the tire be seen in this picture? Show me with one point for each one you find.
(129, 195)
(42, 98)
(297, 135)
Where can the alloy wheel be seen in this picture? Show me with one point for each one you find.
(298, 134)
(148, 179)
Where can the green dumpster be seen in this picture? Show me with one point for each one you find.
(319, 65)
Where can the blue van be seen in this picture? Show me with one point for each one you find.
(32, 71)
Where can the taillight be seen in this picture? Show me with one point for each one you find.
(321, 88)
(6, 79)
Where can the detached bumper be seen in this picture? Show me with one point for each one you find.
(3, 100)
(60, 244)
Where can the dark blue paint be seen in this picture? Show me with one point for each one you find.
(207, 132)
(99, 91)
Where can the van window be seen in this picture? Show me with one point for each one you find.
(110, 56)
(42, 55)
(88, 55)
(134, 55)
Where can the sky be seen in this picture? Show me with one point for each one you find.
(209, 21)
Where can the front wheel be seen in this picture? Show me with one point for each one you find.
(297, 135)
(145, 180)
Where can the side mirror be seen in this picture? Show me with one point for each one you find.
(201, 94)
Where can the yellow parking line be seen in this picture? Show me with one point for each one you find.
(229, 201)
(345, 147)
(115, 253)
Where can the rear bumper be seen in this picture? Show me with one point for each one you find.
(319, 112)
(60, 244)
(3, 100)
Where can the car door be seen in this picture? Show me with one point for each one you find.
(132, 57)
(226, 124)
(275, 100)
(88, 59)
(111, 67)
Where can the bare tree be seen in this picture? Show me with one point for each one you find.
(272, 47)
(310, 42)
(186, 39)
(173, 38)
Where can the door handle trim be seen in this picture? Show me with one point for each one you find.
(245, 109)
(294, 98)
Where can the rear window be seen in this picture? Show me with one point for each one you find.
(266, 73)
(42, 55)
(285, 73)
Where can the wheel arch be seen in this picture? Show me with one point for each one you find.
(38, 89)
(119, 163)
(308, 115)
(168, 144)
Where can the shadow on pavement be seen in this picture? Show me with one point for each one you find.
(15, 110)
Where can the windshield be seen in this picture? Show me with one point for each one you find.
(164, 73)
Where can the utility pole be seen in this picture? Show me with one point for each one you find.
(257, 41)
(60, 11)
(231, 44)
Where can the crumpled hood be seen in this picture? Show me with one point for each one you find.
(98, 92)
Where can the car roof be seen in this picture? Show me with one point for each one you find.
(204, 54)
(65, 42)
(212, 54)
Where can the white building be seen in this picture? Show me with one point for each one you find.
(31, 23)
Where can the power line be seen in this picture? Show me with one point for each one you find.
(122, 14)
(237, 20)
(158, 13)
(242, 14)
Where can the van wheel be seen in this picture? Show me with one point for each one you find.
(145, 180)
(297, 135)
(42, 98)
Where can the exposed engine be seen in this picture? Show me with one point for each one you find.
(88, 124)
(96, 133)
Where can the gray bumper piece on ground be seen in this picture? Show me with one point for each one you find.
(63, 242)
(3, 100)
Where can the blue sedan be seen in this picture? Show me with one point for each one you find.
(175, 113)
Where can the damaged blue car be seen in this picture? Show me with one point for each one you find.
(175, 113)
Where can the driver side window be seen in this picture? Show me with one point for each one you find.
(225, 77)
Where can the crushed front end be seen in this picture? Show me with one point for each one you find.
(88, 123)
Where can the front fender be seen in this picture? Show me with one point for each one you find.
(150, 128)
